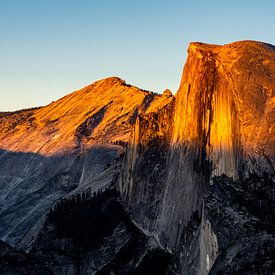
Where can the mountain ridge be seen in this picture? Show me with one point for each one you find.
(161, 170)
(57, 115)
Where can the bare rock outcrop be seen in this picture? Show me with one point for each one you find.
(226, 105)
(47, 152)
(223, 124)
(144, 172)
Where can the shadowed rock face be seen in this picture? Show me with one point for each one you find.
(87, 234)
(144, 168)
(47, 152)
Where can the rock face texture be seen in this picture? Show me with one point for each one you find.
(144, 168)
(101, 112)
(223, 123)
(226, 104)
(47, 152)
(112, 179)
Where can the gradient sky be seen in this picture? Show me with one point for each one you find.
(49, 48)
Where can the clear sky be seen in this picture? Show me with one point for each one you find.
(49, 48)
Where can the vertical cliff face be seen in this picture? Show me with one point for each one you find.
(223, 123)
(144, 169)
(226, 100)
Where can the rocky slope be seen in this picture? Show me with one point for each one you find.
(47, 152)
(101, 112)
(112, 179)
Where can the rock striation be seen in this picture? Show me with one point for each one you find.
(143, 172)
(226, 99)
(222, 124)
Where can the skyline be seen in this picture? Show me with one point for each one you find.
(50, 49)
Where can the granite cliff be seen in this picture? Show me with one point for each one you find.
(222, 124)
(112, 179)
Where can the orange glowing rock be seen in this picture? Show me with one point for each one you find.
(226, 102)
(102, 112)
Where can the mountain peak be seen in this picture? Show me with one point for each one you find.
(225, 102)
(100, 112)
(111, 81)
(238, 45)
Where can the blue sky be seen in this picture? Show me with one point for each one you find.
(49, 48)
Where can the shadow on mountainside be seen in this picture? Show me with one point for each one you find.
(88, 233)
(30, 183)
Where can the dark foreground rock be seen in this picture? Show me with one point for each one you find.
(234, 228)
(92, 234)
(88, 234)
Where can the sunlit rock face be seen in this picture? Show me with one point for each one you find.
(193, 193)
(226, 100)
(47, 152)
(222, 123)
(100, 112)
